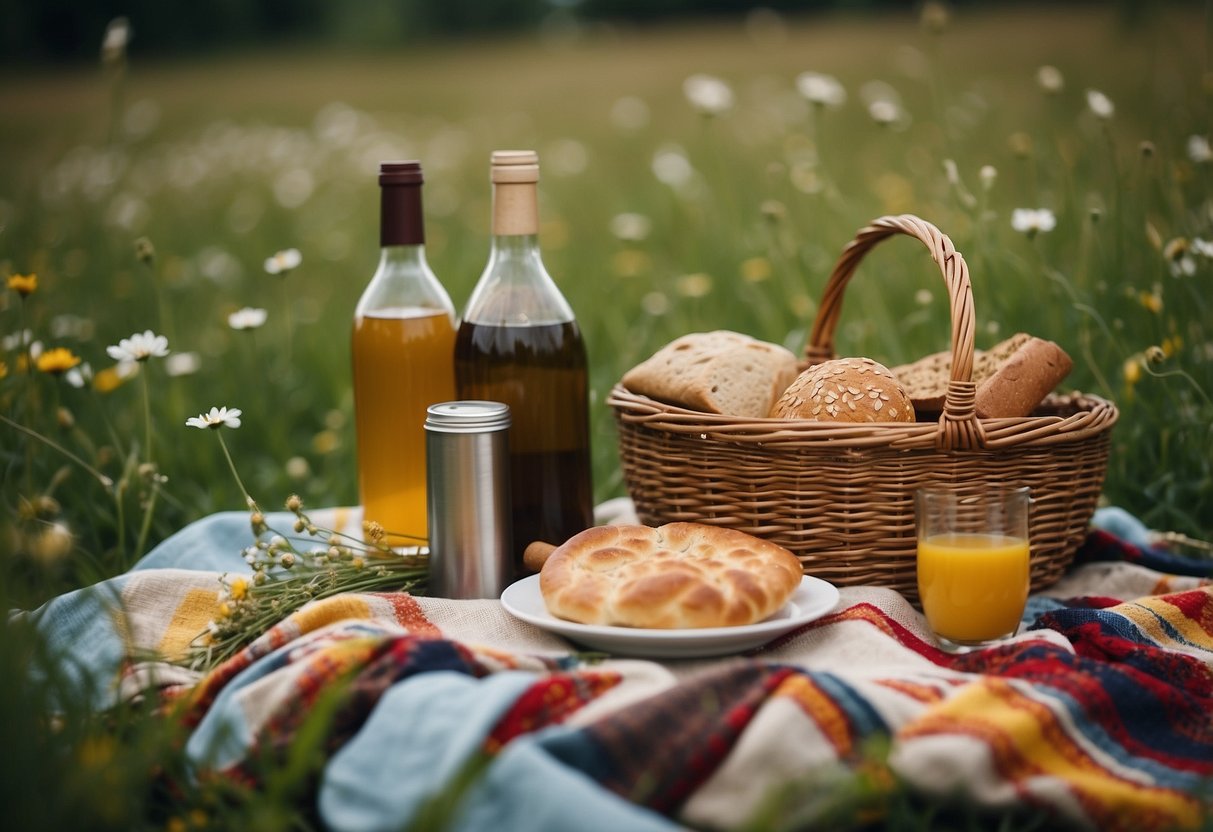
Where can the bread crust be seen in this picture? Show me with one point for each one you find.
(845, 390)
(680, 575)
(716, 372)
(1012, 377)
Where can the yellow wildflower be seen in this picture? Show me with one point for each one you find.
(755, 269)
(1151, 301)
(225, 609)
(238, 588)
(694, 285)
(3, 369)
(108, 380)
(23, 284)
(57, 361)
(1132, 370)
(1172, 345)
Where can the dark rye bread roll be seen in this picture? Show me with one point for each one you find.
(1012, 377)
(680, 575)
(716, 372)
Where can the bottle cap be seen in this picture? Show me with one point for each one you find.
(514, 166)
(467, 417)
(400, 173)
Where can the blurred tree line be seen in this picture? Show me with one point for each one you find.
(53, 31)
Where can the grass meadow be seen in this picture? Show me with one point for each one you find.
(149, 196)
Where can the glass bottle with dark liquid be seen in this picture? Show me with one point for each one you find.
(519, 344)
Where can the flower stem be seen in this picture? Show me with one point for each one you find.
(147, 516)
(147, 417)
(102, 478)
(232, 465)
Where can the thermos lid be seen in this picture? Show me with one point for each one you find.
(467, 417)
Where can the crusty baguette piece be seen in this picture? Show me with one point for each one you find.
(1012, 377)
(716, 372)
(674, 576)
(845, 390)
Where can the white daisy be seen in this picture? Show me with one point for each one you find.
(1050, 79)
(708, 94)
(819, 88)
(217, 418)
(247, 318)
(182, 364)
(884, 111)
(631, 226)
(283, 261)
(1032, 220)
(1199, 150)
(1100, 104)
(139, 347)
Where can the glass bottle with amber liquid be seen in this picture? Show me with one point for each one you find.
(402, 350)
(518, 343)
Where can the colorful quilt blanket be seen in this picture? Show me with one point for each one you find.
(453, 714)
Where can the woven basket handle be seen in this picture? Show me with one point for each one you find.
(958, 426)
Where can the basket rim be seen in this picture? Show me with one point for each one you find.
(1087, 416)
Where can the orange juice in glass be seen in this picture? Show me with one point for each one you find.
(973, 563)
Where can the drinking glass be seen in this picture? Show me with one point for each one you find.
(973, 563)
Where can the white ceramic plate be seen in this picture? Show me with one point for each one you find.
(811, 600)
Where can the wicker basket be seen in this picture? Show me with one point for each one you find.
(841, 496)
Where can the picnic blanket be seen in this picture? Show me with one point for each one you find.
(454, 713)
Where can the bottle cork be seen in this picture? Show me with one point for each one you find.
(514, 174)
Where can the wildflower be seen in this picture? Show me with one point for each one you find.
(64, 418)
(755, 269)
(671, 166)
(182, 364)
(54, 543)
(139, 347)
(1199, 150)
(708, 94)
(1020, 144)
(630, 262)
(238, 588)
(923, 297)
(217, 417)
(934, 16)
(145, 252)
(247, 318)
(79, 376)
(883, 111)
(373, 530)
(1131, 370)
(773, 210)
(1151, 300)
(1146, 149)
(117, 36)
(294, 503)
(1030, 221)
(1178, 255)
(57, 361)
(952, 172)
(655, 303)
(17, 340)
(1155, 355)
(631, 226)
(288, 560)
(988, 175)
(297, 467)
(1202, 247)
(3, 369)
(1100, 104)
(1050, 79)
(695, 285)
(23, 284)
(111, 378)
(821, 89)
(283, 261)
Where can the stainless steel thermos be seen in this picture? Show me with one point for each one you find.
(468, 498)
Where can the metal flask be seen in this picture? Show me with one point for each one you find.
(468, 498)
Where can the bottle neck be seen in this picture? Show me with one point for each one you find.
(392, 256)
(515, 210)
(400, 221)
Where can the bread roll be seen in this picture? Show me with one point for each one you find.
(716, 372)
(845, 390)
(678, 575)
(1012, 378)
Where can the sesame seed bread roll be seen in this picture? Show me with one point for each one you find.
(716, 372)
(845, 390)
(680, 575)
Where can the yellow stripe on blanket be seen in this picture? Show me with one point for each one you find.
(194, 611)
(329, 610)
(1027, 741)
(1156, 615)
